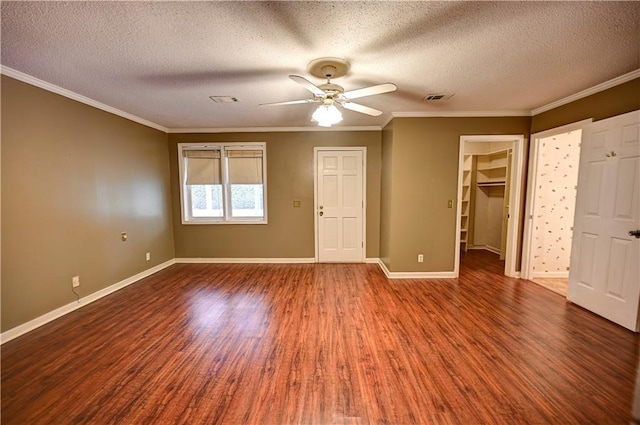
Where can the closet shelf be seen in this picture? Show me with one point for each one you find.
(490, 184)
(495, 167)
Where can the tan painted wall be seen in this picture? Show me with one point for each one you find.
(424, 167)
(605, 104)
(385, 194)
(290, 232)
(73, 178)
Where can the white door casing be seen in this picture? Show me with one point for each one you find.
(506, 207)
(604, 275)
(339, 208)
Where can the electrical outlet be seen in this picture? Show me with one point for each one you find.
(75, 281)
(148, 256)
(420, 258)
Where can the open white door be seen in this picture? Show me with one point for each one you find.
(605, 259)
(340, 205)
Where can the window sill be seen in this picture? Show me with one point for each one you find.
(196, 222)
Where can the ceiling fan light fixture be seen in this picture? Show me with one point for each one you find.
(326, 115)
(330, 95)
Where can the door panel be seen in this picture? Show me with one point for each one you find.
(596, 168)
(627, 189)
(330, 234)
(349, 234)
(350, 191)
(588, 256)
(605, 261)
(340, 206)
(618, 256)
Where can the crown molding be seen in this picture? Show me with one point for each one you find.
(460, 114)
(387, 121)
(268, 129)
(25, 78)
(588, 92)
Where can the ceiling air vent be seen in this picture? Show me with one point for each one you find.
(224, 99)
(435, 97)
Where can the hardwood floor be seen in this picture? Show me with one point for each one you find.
(557, 285)
(322, 344)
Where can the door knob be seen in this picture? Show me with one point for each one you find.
(635, 233)
(321, 213)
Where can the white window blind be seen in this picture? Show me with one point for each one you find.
(202, 167)
(245, 166)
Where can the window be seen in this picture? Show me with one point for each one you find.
(223, 183)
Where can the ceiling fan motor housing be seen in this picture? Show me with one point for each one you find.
(331, 89)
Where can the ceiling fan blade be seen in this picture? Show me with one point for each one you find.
(290, 102)
(361, 108)
(370, 91)
(317, 91)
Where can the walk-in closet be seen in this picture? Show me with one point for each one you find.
(485, 196)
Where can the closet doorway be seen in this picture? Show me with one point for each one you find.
(490, 185)
(554, 160)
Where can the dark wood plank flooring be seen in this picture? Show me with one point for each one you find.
(323, 344)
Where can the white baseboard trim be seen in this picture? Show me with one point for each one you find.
(415, 275)
(20, 330)
(246, 260)
(486, 248)
(372, 260)
(492, 249)
(556, 274)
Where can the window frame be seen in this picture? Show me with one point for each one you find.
(185, 194)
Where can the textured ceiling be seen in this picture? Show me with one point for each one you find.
(161, 61)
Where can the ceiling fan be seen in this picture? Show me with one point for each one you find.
(331, 95)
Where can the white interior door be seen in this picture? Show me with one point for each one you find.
(339, 206)
(605, 261)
